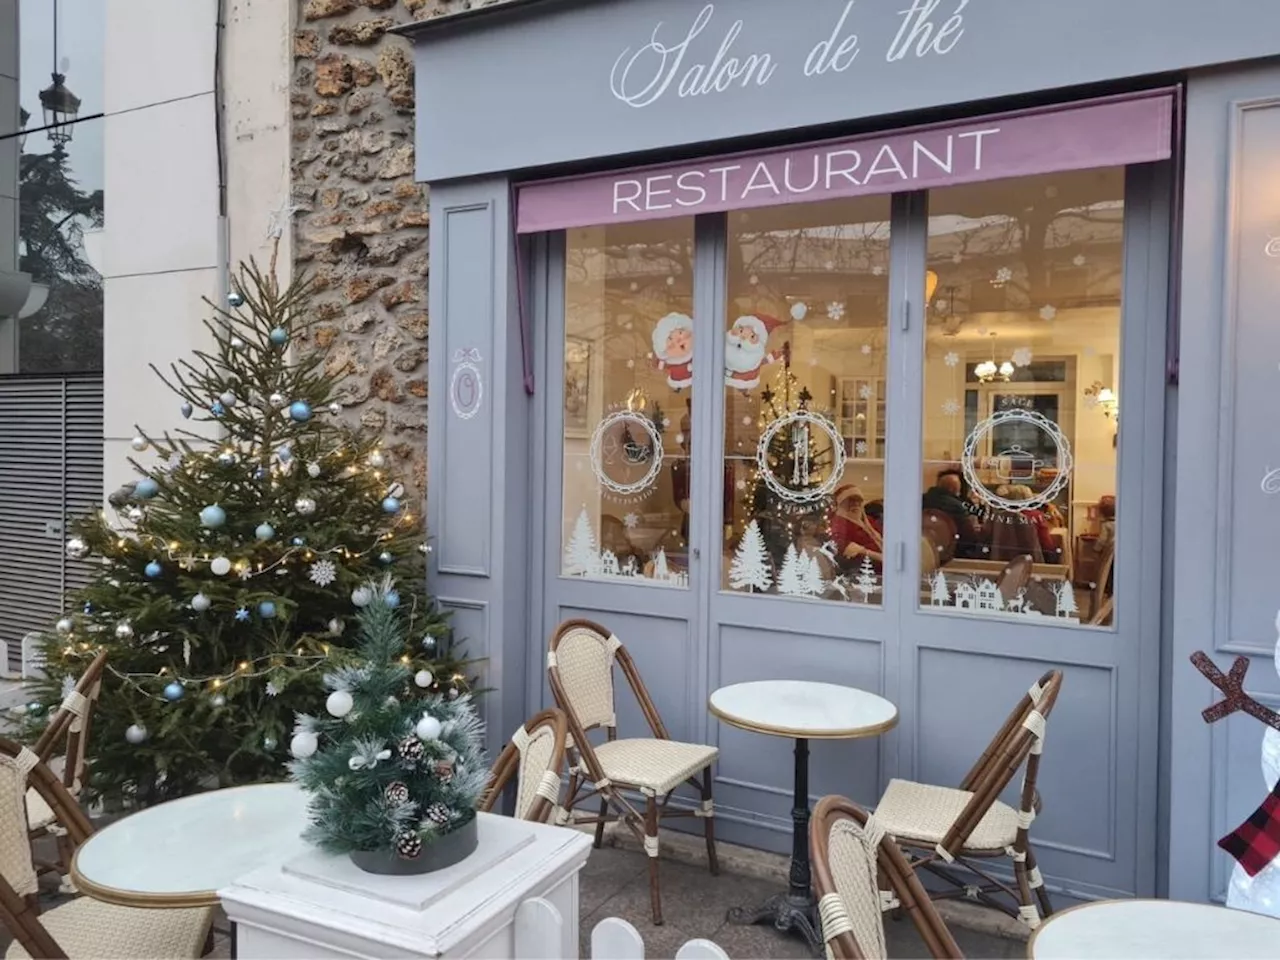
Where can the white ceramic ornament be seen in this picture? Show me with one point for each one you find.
(339, 703)
(139, 443)
(228, 399)
(428, 728)
(276, 400)
(361, 596)
(305, 506)
(124, 630)
(304, 744)
(64, 625)
(136, 734)
(335, 408)
(336, 627)
(220, 566)
(313, 470)
(200, 603)
(423, 678)
(219, 701)
(377, 460)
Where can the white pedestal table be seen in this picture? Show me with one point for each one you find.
(800, 710)
(316, 906)
(1155, 930)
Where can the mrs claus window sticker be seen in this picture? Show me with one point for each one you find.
(673, 349)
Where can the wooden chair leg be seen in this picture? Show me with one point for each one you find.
(651, 849)
(1042, 892)
(604, 810)
(709, 822)
(1027, 911)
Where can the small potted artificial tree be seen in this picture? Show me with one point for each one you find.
(393, 770)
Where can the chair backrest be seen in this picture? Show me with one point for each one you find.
(534, 757)
(21, 768)
(1020, 740)
(580, 662)
(858, 873)
(939, 529)
(1015, 576)
(1105, 564)
(70, 725)
(1012, 536)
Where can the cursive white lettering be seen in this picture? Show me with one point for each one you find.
(919, 31)
(821, 58)
(669, 60)
(847, 172)
(977, 143)
(697, 189)
(619, 199)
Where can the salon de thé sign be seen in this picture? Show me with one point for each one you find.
(709, 55)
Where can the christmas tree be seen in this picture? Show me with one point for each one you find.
(234, 563)
(395, 765)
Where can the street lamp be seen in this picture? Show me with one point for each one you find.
(60, 109)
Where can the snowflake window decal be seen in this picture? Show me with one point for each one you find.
(835, 310)
(1022, 357)
(1048, 312)
(951, 407)
(951, 359)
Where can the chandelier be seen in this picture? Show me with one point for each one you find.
(988, 372)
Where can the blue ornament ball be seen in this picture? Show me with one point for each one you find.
(213, 516)
(298, 541)
(187, 410)
(265, 531)
(392, 599)
(153, 570)
(146, 488)
(235, 299)
(300, 411)
(217, 409)
(279, 336)
(35, 708)
(260, 473)
(285, 454)
(385, 557)
(391, 505)
(266, 609)
(174, 691)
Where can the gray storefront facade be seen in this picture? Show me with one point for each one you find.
(795, 340)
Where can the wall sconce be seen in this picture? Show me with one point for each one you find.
(1105, 398)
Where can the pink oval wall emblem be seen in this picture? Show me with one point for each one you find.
(466, 386)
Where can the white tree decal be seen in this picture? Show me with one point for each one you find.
(660, 569)
(1066, 597)
(581, 556)
(867, 582)
(750, 567)
(811, 575)
(790, 579)
(940, 592)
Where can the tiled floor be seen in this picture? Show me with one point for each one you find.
(615, 883)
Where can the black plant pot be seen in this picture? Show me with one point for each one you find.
(445, 851)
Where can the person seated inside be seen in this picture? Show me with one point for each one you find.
(855, 534)
(947, 496)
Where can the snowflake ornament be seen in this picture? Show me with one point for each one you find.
(631, 520)
(951, 359)
(865, 391)
(860, 447)
(323, 573)
(951, 407)
(1022, 357)
(1048, 312)
(1004, 275)
(835, 310)
(1079, 260)
(272, 689)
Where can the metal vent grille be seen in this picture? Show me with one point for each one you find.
(50, 472)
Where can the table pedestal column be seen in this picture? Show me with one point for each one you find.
(793, 910)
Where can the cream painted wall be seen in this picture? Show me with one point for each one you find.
(162, 246)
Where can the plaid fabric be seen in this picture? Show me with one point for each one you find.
(1256, 842)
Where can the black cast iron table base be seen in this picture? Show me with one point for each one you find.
(794, 911)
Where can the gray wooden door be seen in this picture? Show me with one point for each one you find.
(50, 472)
(840, 363)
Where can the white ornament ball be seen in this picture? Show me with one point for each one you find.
(136, 734)
(200, 603)
(276, 399)
(64, 626)
(336, 627)
(305, 506)
(219, 700)
(124, 630)
(428, 728)
(304, 744)
(236, 342)
(361, 596)
(139, 443)
(313, 470)
(135, 514)
(228, 399)
(423, 678)
(377, 460)
(220, 566)
(335, 408)
(77, 549)
(339, 703)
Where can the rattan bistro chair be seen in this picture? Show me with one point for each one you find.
(83, 928)
(535, 757)
(955, 827)
(858, 873)
(580, 666)
(68, 729)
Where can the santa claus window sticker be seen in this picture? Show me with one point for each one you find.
(673, 349)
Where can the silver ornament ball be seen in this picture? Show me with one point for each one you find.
(124, 630)
(64, 626)
(136, 734)
(77, 549)
(139, 443)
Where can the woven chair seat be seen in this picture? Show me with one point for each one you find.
(92, 930)
(923, 813)
(656, 765)
(39, 814)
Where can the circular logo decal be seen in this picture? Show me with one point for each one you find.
(1015, 464)
(799, 426)
(626, 453)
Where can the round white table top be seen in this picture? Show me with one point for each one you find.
(1155, 930)
(803, 709)
(180, 853)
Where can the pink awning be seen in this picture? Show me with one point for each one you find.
(1115, 131)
